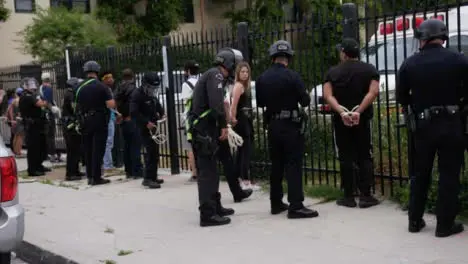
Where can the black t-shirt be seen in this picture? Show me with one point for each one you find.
(93, 96)
(27, 106)
(350, 83)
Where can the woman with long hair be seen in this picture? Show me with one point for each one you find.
(241, 120)
(17, 127)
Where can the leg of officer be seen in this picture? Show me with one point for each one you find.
(451, 154)
(277, 168)
(99, 147)
(33, 154)
(365, 164)
(151, 156)
(425, 151)
(127, 135)
(87, 138)
(346, 153)
(230, 170)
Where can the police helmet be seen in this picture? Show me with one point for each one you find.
(432, 29)
(91, 66)
(29, 83)
(151, 79)
(228, 58)
(281, 48)
(73, 82)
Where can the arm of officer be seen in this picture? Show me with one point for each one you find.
(135, 108)
(402, 90)
(259, 96)
(215, 90)
(40, 103)
(304, 97)
(159, 108)
(372, 93)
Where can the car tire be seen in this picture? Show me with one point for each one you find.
(5, 258)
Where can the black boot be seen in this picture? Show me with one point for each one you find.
(208, 216)
(220, 210)
(367, 201)
(416, 225)
(278, 208)
(151, 184)
(347, 202)
(243, 195)
(443, 231)
(302, 213)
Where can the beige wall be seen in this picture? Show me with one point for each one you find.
(10, 55)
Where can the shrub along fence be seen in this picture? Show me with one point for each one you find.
(386, 37)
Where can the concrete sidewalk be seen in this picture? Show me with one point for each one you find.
(93, 224)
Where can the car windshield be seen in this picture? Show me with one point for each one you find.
(388, 56)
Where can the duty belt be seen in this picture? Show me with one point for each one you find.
(287, 115)
(441, 110)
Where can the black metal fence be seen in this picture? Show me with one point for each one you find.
(385, 32)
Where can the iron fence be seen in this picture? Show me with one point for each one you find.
(386, 34)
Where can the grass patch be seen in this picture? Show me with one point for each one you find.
(23, 175)
(325, 193)
(108, 261)
(123, 252)
(66, 185)
(47, 181)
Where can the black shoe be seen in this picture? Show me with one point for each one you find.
(45, 169)
(416, 226)
(36, 173)
(347, 202)
(244, 195)
(73, 178)
(100, 181)
(456, 228)
(81, 174)
(215, 220)
(367, 201)
(279, 208)
(160, 181)
(151, 184)
(302, 213)
(221, 211)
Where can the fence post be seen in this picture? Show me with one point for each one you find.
(170, 102)
(243, 39)
(350, 19)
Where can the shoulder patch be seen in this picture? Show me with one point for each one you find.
(219, 76)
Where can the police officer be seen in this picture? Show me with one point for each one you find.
(30, 106)
(147, 110)
(280, 90)
(431, 84)
(93, 100)
(70, 133)
(350, 88)
(208, 124)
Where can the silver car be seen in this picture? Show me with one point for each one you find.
(11, 212)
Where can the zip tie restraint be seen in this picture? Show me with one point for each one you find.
(157, 135)
(346, 111)
(234, 140)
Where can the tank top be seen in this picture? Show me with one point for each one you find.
(243, 105)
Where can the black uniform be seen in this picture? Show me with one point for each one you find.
(35, 127)
(350, 83)
(280, 90)
(72, 137)
(130, 132)
(91, 98)
(432, 83)
(208, 117)
(145, 108)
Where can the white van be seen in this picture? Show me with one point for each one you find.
(394, 41)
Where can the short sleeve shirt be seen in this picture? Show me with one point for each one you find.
(93, 96)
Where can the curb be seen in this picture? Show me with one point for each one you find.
(37, 255)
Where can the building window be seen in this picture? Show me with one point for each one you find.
(189, 16)
(78, 5)
(24, 6)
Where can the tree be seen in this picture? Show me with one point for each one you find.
(4, 12)
(137, 20)
(53, 29)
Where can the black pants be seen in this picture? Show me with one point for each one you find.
(117, 150)
(442, 136)
(244, 128)
(94, 139)
(36, 143)
(51, 148)
(355, 151)
(208, 177)
(151, 154)
(286, 152)
(132, 148)
(73, 145)
(230, 171)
